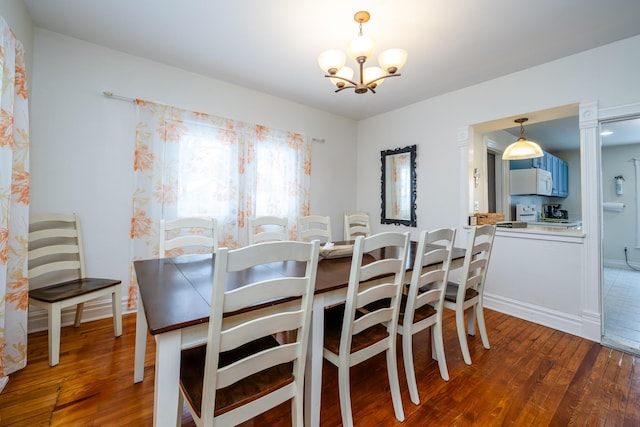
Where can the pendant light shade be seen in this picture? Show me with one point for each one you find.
(522, 148)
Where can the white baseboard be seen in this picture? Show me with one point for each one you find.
(543, 316)
(619, 264)
(93, 310)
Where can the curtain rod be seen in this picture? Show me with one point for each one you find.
(110, 94)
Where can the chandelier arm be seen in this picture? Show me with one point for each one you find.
(383, 77)
(343, 88)
(341, 78)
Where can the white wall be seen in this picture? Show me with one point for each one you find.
(619, 228)
(607, 74)
(82, 142)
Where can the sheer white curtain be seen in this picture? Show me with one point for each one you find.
(190, 164)
(14, 204)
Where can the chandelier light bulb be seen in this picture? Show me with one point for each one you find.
(361, 46)
(331, 60)
(370, 74)
(391, 60)
(345, 73)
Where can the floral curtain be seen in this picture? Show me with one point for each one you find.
(14, 204)
(192, 164)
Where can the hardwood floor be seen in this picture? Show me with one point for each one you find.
(532, 376)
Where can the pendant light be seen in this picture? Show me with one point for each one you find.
(522, 148)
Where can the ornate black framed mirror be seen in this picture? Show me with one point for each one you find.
(398, 186)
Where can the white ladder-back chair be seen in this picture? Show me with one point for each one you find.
(181, 236)
(243, 370)
(57, 276)
(356, 224)
(351, 336)
(268, 229)
(467, 296)
(421, 308)
(313, 227)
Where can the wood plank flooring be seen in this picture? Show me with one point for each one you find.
(532, 376)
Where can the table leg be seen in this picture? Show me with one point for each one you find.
(313, 371)
(166, 392)
(141, 343)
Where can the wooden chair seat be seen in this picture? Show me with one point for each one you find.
(71, 289)
(333, 328)
(240, 393)
(452, 292)
(420, 314)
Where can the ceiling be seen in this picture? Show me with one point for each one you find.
(272, 46)
(564, 134)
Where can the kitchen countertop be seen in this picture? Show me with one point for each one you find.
(556, 224)
(544, 232)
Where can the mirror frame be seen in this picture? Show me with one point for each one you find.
(411, 222)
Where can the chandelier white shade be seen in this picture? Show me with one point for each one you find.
(522, 148)
(360, 49)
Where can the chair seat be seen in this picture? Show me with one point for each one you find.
(420, 314)
(334, 317)
(240, 393)
(70, 289)
(452, 292)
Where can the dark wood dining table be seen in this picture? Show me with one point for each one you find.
(174, 307)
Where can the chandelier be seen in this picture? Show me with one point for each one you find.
(522, 148)
(360, 49)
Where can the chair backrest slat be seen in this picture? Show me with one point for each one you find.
(268, 229)
(356, 224)
(313, 227)
(55, 249)
(188, 235)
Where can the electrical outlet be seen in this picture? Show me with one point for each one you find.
(476, 206)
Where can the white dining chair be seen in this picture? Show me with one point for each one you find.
(351, 336)
(421, 307)
(356, 223)
(243, 371)
(57, 275)
(185, 235)
(268, 229)
(314, 227)
(466, 295)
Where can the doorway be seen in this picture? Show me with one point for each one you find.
(620, 168)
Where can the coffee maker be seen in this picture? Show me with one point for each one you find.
(552, 212)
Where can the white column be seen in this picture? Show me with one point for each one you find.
(591, 220)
